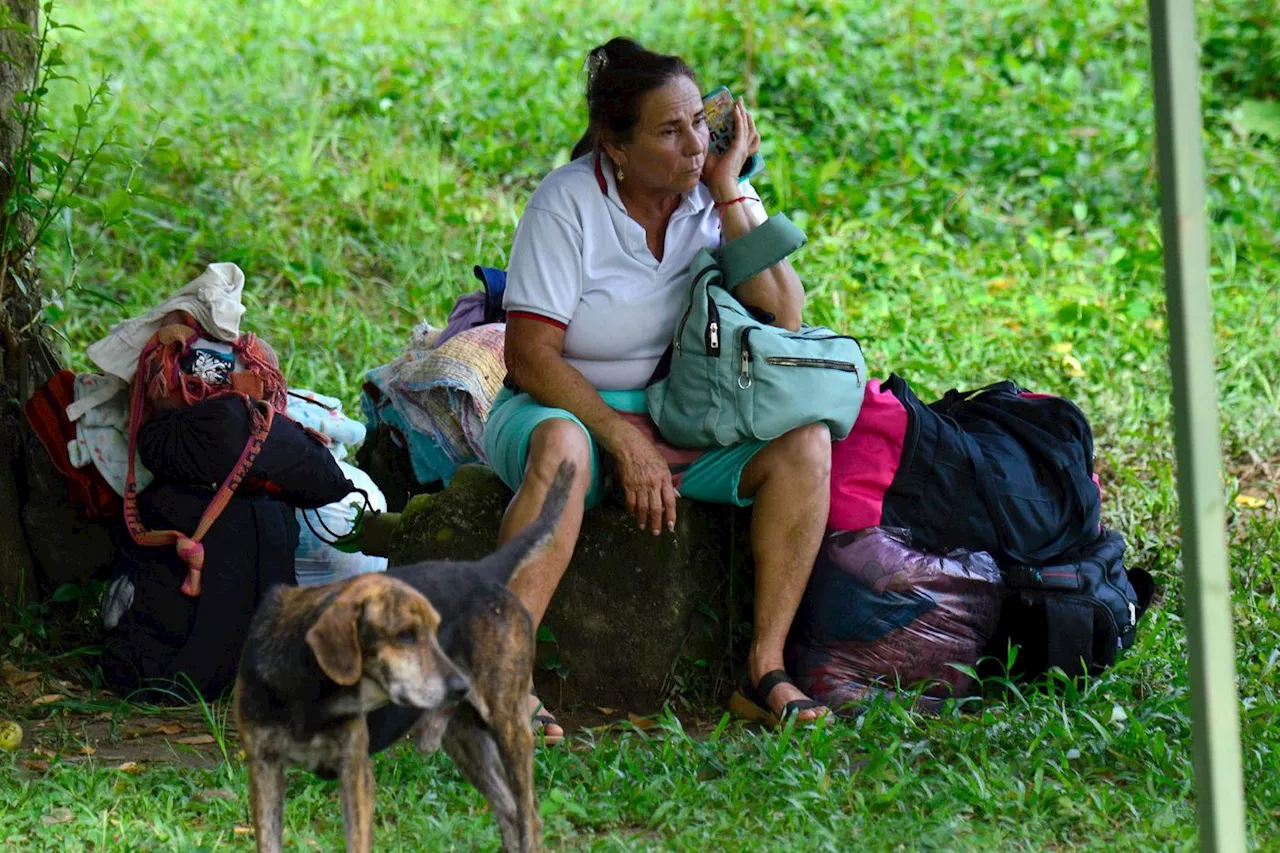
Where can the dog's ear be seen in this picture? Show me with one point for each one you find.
(335, 638)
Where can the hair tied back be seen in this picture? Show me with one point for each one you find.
(596, 61)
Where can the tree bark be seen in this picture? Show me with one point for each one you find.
(26, 360)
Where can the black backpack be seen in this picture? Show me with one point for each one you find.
(1076, 615)
(1002, 470)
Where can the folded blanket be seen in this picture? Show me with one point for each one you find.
(446, 392)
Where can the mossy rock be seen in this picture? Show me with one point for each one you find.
(636, 619)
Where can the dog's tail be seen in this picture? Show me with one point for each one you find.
(508, 561)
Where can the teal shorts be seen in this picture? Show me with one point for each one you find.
(713, 477)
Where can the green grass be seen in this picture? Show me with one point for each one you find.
(979, 188)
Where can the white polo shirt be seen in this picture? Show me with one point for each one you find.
(580, 262)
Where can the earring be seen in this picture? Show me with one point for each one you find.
(620, 176)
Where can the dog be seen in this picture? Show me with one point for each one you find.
(488, 634)
(300, 701)
(316, 661)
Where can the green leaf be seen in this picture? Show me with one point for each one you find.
(1080, 211)
(545, 635)
(162, 142)
(830, 169)
(1261, 118)
(118, 204)
(1138, 309)
(66, 592)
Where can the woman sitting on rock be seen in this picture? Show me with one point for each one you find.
(597, 278)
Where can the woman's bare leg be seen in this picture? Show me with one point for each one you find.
(790, 480)
(553, 441)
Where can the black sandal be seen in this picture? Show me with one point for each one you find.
(751, 702)
(542, 720)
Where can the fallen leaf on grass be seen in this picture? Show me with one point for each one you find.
(641, 723)
(129, 767)
(1250, 501)
(48, 699)
(35, 765)
(608, 712)
(243, 830)
(15, 677)
(58, 815)
(196, 740)
(87, 750)
(169, 729)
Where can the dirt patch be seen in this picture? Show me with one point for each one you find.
(71, 723)
(128, 743)
(66, 723)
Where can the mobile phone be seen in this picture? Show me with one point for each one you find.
(718, 106)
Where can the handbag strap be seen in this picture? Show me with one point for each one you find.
(758, 249)
(189, 548)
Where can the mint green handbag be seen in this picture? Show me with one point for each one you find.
(733, 378)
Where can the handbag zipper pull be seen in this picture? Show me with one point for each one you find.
(714, 331)
(744, 380)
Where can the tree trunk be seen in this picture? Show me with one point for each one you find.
(26, 361)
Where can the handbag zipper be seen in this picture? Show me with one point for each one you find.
(688, 311)
(744, 378)
(827, 363)
(713, 327)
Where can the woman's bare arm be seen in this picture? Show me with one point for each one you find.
(777, 289)
(535, 361)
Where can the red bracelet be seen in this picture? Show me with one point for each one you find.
(723, 204)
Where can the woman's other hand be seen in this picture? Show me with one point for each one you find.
(646, 479)
(720, 171)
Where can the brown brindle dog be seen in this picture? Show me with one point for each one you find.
(316, 661)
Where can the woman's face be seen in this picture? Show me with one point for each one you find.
(669, 143)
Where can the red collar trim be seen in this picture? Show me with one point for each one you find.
(604, 188)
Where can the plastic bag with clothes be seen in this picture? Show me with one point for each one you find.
(879, 616)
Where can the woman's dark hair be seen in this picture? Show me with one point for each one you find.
(619, 74)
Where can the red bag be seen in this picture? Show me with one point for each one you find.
(46, 413)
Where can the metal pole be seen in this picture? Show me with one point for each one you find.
(1206, 572)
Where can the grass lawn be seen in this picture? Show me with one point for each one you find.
(978, 184)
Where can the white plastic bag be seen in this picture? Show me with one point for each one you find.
(316, 562)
